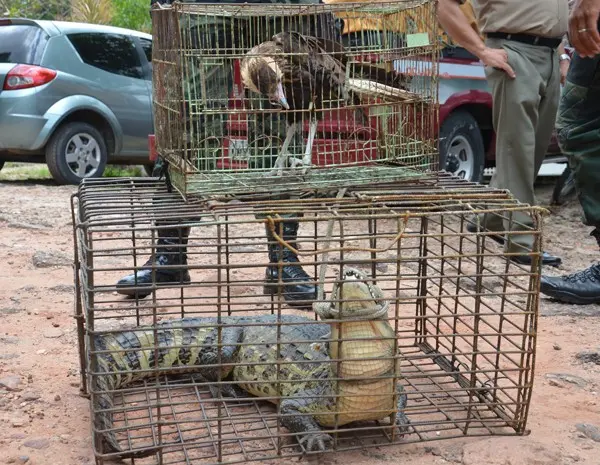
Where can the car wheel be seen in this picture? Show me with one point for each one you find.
(462, 152)
(76, 151)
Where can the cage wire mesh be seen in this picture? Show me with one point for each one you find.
(273, 97)
(420, 329)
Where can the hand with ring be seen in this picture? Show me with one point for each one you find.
(583, 27)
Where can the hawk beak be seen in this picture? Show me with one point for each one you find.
(281, 99)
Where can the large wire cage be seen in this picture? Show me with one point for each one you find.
(420, 329)
(272, 97)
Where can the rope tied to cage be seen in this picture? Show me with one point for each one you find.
(403, 219)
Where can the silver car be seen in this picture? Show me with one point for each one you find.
(75, 95)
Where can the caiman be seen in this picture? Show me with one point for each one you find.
(304, 382)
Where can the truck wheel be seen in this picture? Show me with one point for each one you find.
(76, 151)
(461, 147)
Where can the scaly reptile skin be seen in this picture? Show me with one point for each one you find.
(187, 345)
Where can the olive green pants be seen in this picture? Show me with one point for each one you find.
(524, 113)
(578, 131)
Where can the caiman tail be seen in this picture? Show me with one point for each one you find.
(184, 345)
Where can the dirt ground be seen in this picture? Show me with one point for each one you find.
(45, 420)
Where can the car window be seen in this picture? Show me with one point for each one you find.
(114, 53)
(147, 46)
(22, 43)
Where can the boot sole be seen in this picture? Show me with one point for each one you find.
(141, 292)
(273, 289)
(569, 298)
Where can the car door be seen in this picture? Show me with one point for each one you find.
(146, 48)
(113, 63)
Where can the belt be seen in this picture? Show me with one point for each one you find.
(526, 39)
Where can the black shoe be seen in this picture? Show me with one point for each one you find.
(139, 288)
(300, 292)
(168, 253)
(546, 258)
(472, 228)
(582, 287)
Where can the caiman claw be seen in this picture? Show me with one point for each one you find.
(315, 441)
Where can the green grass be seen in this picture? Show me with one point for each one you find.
(39, 171)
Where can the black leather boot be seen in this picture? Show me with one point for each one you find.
(301, 292)
(582, 287)
(170, 251)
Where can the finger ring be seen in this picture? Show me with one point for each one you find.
(582, 30)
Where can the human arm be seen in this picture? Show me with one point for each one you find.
(460, 31)
(583, 27)
(564, 61)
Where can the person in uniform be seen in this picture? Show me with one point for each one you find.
(525, 62)
(578, 129)
(215, 77)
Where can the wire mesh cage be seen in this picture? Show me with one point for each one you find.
(404, 327)
(273, 97)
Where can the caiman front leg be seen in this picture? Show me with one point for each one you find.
(296, 420)
(230, 339)
(402, 421)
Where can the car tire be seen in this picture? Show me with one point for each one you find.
(462, 152)
(76, 151)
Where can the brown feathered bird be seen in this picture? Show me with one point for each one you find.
(300, 73)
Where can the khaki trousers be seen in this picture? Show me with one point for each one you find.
(524, 113)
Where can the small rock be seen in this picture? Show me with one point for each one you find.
(556, 383)
(52, 333)
(65, 438)
(48, 259)
(57, 398)
(590, 431)
(9, 339)
(556, 347)
(74, 384)
(433, 450)
(38, 443)
(18, 422)
(572, 379)
(381, 267)
(30, 396)
(589, 356)
(63, 288)
(23, 459)
(41, 352)
(30, 378)
(10, 310)
(10, 383)
(55, 324)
